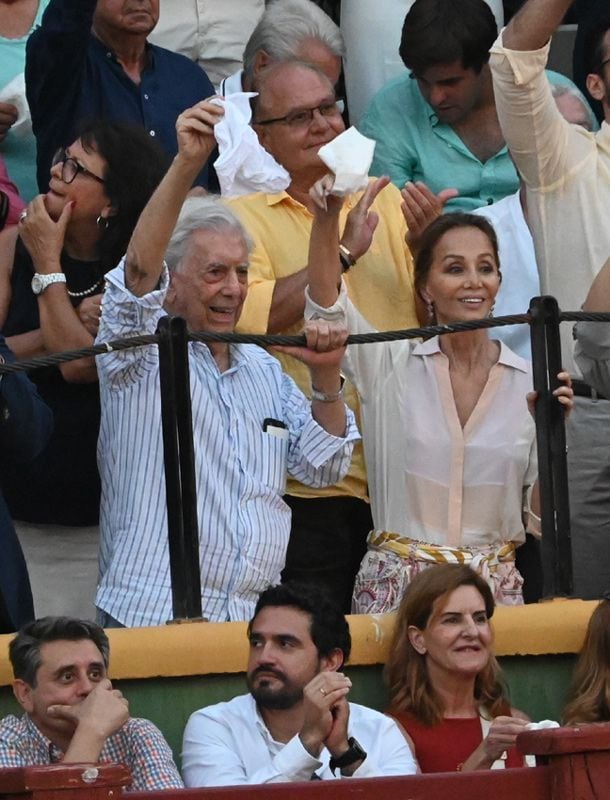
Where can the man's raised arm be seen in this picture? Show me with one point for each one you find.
(534, 24)
(144, 260)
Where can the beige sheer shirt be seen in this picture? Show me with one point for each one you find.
(429, 478)
(567, 173)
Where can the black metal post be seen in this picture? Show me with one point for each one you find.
(551, 440)
(179, 457)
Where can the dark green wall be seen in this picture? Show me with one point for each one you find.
(537, 686)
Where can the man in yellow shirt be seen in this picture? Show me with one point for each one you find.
(295, 115)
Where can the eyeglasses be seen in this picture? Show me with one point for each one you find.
(70, 167)
(303, 117)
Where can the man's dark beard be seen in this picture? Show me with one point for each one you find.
(274, 699)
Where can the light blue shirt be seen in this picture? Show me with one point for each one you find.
(412, 145)
(240, 468)
(17, 149)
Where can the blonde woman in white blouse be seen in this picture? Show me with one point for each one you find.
(449, 443)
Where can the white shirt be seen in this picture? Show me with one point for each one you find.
(211, 32)
(229, 744)
(592, 354)
(520, 281)
(231, 84)
(567, 173)
(430, 479)
(240, 468)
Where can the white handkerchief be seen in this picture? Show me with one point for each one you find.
(243, 165)
(349, 157)
(542, 725)
(14, 92)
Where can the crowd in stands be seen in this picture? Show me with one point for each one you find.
(351, 469)
(448, 708)
(388, 477)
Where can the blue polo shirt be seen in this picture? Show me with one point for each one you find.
(73, 78)
(412, 145)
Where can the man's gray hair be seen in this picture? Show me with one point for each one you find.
(202, 213)
(284, 26)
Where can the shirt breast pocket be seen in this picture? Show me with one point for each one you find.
(274, 457)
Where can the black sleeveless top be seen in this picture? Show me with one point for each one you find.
(62, 485)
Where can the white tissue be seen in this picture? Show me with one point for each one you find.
(349, 157)
(14, 93)
(243, 165)
(542, 725)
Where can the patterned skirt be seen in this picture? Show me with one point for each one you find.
(392, 562)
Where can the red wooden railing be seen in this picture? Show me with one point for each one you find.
(574, 764)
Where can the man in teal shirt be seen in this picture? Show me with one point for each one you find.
(438, 123)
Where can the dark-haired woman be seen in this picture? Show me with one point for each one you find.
(51, 281)
(448, 440)
(444, 681)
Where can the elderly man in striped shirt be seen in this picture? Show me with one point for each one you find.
(251, 423)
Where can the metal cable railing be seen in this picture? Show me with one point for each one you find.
(172, 338)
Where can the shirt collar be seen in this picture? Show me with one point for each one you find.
(259, 721)
(284, 197)
(109, 52)
(506, 358)
(53, 752)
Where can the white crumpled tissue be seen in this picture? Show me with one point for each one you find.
(14, 93)
(542, 725)
(349, 158)
(243, 166)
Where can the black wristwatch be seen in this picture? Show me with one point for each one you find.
(346, 258)
(353, 754)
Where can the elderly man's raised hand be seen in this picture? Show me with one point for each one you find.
(195, 131)
(103, 712)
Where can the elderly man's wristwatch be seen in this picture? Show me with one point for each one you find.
(40, 281)
(354, 753)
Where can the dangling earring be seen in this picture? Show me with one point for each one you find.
(431, 312)
(491, 310)
(102, 222)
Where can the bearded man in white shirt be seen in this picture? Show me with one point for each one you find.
(296, 724)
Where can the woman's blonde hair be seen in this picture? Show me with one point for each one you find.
(589, 697)
(406, 672)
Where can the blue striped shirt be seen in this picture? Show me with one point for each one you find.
(240, 469)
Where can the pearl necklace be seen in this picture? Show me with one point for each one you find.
(87, 291)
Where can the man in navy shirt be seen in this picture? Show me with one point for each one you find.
(91, 61)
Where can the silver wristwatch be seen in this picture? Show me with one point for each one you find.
(40, 282)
